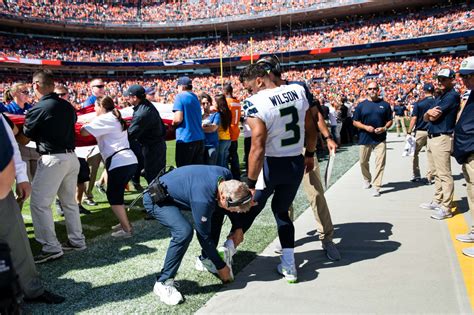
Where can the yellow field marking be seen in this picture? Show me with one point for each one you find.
(457, 225)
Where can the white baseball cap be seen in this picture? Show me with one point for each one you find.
(445, 73)
(467, 66)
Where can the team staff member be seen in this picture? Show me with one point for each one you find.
(236, 110)
(420, 127)
(148, 129)
(12, 227)
(464, 145)
(399, 113)
(372, 117)
(187, 121)
(50, 123)
(442, 118)
(312, 183)
(204, 190)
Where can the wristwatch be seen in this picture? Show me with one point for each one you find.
(327, 138)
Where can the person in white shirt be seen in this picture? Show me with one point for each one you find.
(110, 130)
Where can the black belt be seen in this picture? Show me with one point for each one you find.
(421, 129)
(434, 135)
(56, 152)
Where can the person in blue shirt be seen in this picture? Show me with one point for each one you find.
(441, 118)
(372, 117)
(97, 89)
(420, 127)
(207, 191)
(210, 124)
(17, 97)
(400, 111)
(464, 145)
(188, 124)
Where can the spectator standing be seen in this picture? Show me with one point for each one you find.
(110, 130)
(235, 110)
(464, 145)
(148, 129)
(97, 87)
(210, 124)
(12, 227)
(188, 123)
(223, 131)
(420, 127)
(17, 97)
(442, 117)
(51, 125)
(372, 117)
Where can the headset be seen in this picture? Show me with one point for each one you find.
(271, 64)
(231, 203)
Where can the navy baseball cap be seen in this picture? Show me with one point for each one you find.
(150, 90)
(134, 90)
(428, 87)
(186, 81)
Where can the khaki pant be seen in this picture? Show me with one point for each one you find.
(30, 157)
(401, 120)
(380, 157)
(93, 162)
(439, 156)
(315, 193)
(13, 232)
(468, 170)
(421, 141)
(56, 175)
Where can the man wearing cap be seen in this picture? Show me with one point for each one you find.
(187, 121)
(464, 145)
(399, 112)
(372, 117)
(148, 129)
(441, 118)
(420, 127)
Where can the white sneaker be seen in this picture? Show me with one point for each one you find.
(226, 256)
(466, 238)
(366, 184)
(468, 251)
(288, 272)
(205, 265)
(116, 227)
(375, 193)
(441, 213)
(167, 292)
(429, 205)
(122, 234)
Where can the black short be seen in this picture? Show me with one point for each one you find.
(84, 171)
(117, 179)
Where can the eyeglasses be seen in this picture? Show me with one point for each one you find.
(99, 86)
(372, 89)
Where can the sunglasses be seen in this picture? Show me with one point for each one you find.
(99, 86)
(372, 89)
(466, 76)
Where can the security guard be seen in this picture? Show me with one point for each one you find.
(442, 118)
(418, 125)
(464, 145)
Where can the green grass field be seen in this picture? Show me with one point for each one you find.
(117, 276)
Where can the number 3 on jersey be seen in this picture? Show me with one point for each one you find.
(291, 126)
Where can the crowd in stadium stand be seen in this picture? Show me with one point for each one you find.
(345, 33)
(399, 80)
(152, 10)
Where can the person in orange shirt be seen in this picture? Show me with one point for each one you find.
(235, 109)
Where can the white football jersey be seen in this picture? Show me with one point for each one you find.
(283, 111)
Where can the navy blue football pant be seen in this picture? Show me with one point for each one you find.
(283, 176)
